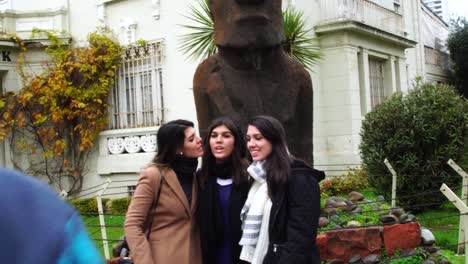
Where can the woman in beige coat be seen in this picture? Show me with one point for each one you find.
(173, 235)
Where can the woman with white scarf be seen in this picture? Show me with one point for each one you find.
(280, 216)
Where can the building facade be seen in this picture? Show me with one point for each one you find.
(371, 49)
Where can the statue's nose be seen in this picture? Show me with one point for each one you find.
(250, 2)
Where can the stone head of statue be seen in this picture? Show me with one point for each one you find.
(247, 23)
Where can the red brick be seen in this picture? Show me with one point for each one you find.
(344, 243)
(401, 236)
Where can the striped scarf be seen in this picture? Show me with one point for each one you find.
(255, 217)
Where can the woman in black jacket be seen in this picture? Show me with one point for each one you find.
(293, 195)
(224, 186)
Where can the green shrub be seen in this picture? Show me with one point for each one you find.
(418, 134)
(88, 205)
(354, 180)
(120, 206)
(85, 206)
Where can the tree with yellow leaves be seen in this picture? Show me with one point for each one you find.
(54, 119)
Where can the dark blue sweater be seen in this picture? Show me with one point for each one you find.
(38, 227)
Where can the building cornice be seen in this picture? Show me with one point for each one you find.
(364, 29)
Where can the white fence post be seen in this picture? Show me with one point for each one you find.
(464, 197)
(463, 211)
(63, 194)
(102, 223)
(394, 181)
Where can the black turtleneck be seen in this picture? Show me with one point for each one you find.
(222, 170)
(185, 168)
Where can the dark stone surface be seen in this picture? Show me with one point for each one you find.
(247, 23)
(374, 258)
(386, 219)
(355, 259)
(251, 74)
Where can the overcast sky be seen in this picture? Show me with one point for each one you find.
(459, 7)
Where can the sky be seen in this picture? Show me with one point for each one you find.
(459, 7)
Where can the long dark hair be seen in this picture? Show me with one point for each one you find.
(238, 158)
(278, 163)
(170, 139)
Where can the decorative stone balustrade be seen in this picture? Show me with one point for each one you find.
(22, 23)
(131, 144)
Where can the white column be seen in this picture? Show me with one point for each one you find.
(364, 81)
(101, 11)
(402, 73)
(393, 75)
(156, 9)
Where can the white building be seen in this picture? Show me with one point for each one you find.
(439, 7)
(371, 50)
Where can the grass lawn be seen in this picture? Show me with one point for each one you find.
(444, 228)
(92, 224)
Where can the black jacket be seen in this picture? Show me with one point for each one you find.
(294, 218)
(210, 220)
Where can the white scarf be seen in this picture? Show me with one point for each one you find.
(255, 216)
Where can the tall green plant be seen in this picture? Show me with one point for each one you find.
(198, 44)
(299, 44)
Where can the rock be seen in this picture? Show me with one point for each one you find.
(340, 199)
(371, 259)
(355, 196)
(380, 199)
(337, 227)
(397, 212)
(403, 218)
(341, 204)
(444, 261)
(357, 210)
(329, 211)
(355, 259)
(427, 237)
(330, 202)
(431, 250)
(353, 224)
(346, 206)
(336, 261)
(388, 219)
(323, 221)
(411, 218)
(428, 261)
(407, 252)
(335, 218)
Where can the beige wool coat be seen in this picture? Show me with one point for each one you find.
(174, 236)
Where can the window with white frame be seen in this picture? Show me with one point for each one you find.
(376, 81)
(136, 99)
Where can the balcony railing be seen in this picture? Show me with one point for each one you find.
(437, 58)
(363, 11)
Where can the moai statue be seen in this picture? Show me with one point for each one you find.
(251, 74)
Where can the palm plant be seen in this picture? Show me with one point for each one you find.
(198, 43)
(299, 45)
